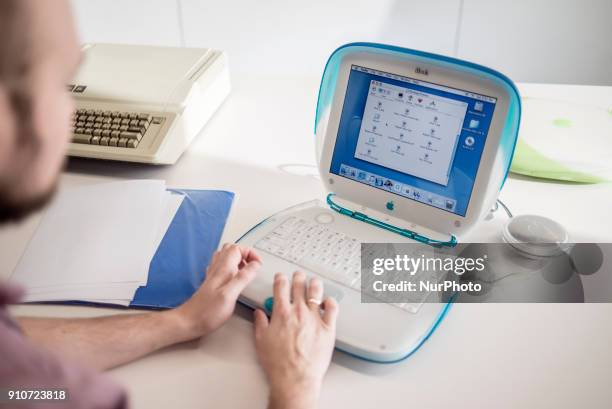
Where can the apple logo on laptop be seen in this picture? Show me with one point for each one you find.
(390, 205)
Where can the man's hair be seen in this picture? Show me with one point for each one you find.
(12, 37)
(15, 56)
(8, 11)
(15, 63)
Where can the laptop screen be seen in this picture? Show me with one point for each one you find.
(416, 139)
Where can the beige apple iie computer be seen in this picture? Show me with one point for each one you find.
(144, 103)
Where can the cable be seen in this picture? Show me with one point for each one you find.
(500, 203)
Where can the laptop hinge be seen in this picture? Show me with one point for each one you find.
(451, 242)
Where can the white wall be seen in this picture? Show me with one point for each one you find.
(153, 22)
(288, 36)
(557, 41)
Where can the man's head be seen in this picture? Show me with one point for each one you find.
(39, 54)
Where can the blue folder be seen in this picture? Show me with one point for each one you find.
(179, 264)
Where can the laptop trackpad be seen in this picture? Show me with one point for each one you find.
(331, 290)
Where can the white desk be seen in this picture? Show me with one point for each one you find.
(261, 145)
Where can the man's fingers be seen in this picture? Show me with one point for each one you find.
(261, 323)
(330, 312)
(298, 289)
(281, 292)
(226, 264)
(233, 255)
(244, 276)
(315, 294)
(248, 254)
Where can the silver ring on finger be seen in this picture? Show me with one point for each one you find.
(315, 301)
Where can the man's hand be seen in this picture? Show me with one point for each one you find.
(230, 271)
(295, 346)
(106, 342)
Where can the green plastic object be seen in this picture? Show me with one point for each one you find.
(562, 122)
(564, 141)
(451, 242)
(529, 162)
(269, 304)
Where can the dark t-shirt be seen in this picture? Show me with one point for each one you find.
(24, 366)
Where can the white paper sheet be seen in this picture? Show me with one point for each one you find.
(174, 202)
(97, 234)
(100, 292)
(106, 292)
(79, 287)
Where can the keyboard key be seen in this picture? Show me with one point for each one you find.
(328, 253)
(81, 138)
(131, 135)
(110, 128)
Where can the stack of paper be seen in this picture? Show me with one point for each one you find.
(95, 243)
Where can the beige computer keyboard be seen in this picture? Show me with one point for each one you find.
(111, 128)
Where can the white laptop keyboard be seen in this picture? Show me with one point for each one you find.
(327, 252)
(317, 248)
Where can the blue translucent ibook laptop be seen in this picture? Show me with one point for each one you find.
(411, 147)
